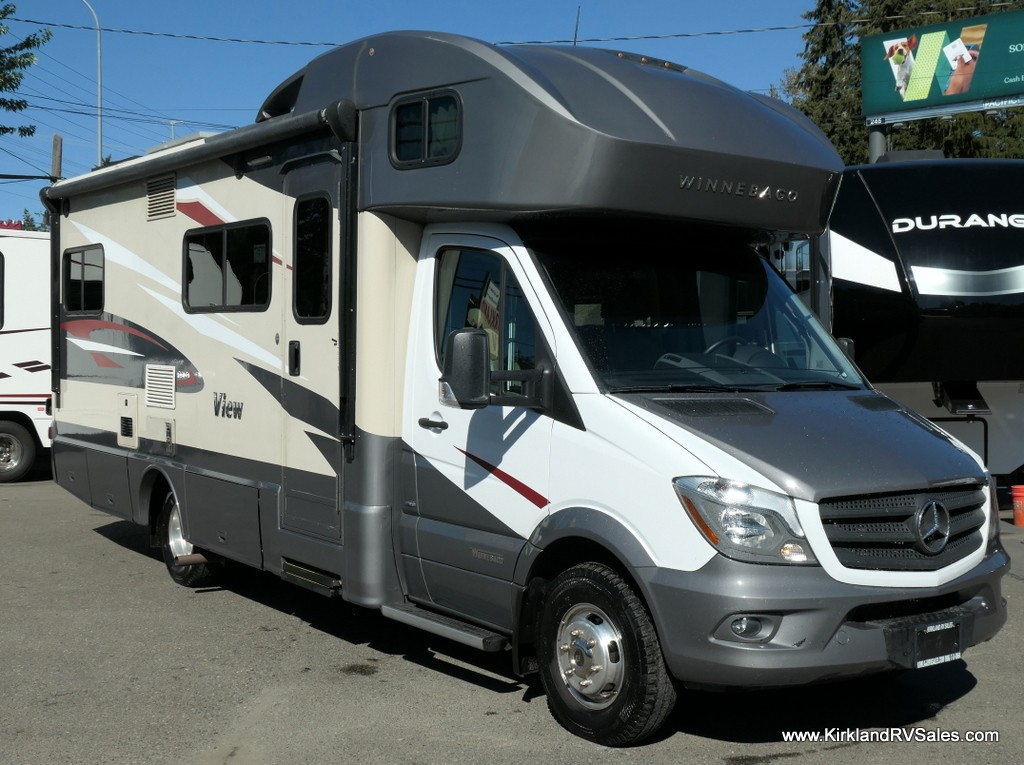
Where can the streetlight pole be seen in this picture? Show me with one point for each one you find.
(99, 87)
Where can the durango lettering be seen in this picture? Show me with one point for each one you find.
(736, 188)
(974, 220)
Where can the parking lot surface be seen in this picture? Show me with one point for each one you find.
(103, 659)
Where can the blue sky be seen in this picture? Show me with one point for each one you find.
(156, 85)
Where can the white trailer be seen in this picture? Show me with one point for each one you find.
(484, 338)
(25, 348)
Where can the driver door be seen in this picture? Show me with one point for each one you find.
(481, 476)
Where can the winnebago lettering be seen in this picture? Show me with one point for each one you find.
(737, 188)
(498, 385)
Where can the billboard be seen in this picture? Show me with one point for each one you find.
(958, 66)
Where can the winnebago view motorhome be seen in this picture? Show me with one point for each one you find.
(929, 284)
(485, 338)
(24, 350)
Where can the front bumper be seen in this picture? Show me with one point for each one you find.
(814, 628)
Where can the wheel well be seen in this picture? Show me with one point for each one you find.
(20, 418)
(556, 558)
(152, 491)
(565, 553)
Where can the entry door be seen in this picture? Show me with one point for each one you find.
(481, 476)
(312, 351)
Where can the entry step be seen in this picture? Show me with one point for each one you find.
(311, 577)
(446, 626)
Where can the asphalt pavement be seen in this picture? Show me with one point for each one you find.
(103, 659)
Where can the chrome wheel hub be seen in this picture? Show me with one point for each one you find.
(589, 655)
(11, 453)
(175, 538)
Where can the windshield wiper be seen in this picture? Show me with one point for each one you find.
(681, 389)
(817, 385)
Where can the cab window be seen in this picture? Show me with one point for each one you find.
(475, 289)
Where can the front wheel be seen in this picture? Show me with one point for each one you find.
(173, 544)
(600, 659)
(17, 451)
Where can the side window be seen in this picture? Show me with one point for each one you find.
(311, 277)
(519, 348)
(474, 289)
(425, 131)
(227, 268)
(793, 262)
(82, 286)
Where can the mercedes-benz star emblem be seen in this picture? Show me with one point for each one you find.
(931, 527)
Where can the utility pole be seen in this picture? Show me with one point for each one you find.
(99, 87)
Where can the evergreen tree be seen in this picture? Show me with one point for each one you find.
(14, 59)
(30, 223)
(826, 87)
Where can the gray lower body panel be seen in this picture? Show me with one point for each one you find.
(813, 628)
(233, 508)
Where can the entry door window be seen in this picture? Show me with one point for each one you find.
(475, 289)
(312, 275)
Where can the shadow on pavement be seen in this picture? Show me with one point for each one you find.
(881, 701)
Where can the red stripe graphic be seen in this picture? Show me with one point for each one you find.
(84, 327)
(537, 499)
(204, 216)
(102, 360)
(200, 213)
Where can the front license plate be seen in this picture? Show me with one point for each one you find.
(937, 644)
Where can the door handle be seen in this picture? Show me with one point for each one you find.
(294, 358)
(429, 424)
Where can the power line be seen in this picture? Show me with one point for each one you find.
(172, 35)
(126, 115)
(631, 38)
(22, 159)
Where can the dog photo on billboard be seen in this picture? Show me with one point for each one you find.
(900, 55)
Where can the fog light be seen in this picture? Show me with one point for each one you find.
(746, 627)
(793, 552)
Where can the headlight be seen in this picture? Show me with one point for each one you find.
(744, 522)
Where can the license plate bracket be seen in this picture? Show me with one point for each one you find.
(937, 643)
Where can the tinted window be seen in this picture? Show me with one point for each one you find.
(228, 268)
(312, 266)
(475, 290)
(425, 131)
(83, 279)
(685, 307)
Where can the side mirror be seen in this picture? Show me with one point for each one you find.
(466, 375)
(846, 346)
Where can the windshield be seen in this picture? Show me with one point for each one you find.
(688, 309)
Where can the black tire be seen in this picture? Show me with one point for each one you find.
(17, 452)
(173, 544)
(593, 627)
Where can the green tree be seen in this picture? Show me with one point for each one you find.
(14, 60)
(29, 222)
(826, 87)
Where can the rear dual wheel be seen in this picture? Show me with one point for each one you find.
(600, 658)
(173, 544)
(17, 451)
